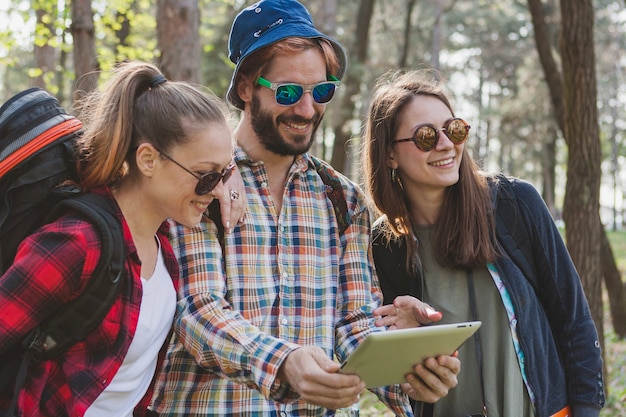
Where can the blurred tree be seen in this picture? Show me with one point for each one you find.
(581, 208)
(84, 40)
(178, 23)
(573, 96)
(357, 54)
(44, 50)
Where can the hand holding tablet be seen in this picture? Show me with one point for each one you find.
(384, 358)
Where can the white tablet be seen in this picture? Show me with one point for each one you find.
(384, 358)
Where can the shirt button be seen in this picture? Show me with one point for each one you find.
(284, 322)
(263, 184)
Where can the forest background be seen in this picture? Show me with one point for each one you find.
(542, 82)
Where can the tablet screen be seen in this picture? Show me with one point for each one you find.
(384, 358)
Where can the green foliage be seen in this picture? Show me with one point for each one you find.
(216, 20)
(139, 43)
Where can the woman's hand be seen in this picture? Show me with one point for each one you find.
(233, 201)
(406, 312)
(433, 378)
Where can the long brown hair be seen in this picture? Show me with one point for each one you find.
(137, 105)
(464, 235)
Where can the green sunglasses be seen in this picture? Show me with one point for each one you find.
(288, 94)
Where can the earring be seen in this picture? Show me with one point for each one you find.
(396, 178)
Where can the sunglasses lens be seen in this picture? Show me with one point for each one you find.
(288, 94)
(457, 131)
(207, 183)
(324, 92)
(425, 138)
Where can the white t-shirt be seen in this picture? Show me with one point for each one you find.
(131, 381)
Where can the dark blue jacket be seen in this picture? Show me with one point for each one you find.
(555, 328)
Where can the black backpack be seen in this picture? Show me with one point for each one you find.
(37, 149)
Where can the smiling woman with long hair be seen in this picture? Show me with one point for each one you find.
(537, 353)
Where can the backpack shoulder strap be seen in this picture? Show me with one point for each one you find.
(79, 317)
(390, 261)
(213, 212)
(335, 193)
(511, 231)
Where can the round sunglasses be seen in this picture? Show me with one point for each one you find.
(288, 94)
(209, 180)
(426, 136)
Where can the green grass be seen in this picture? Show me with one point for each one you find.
(614, 348)
(614, 354)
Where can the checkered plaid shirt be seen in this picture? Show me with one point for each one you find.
(293, 280)
(52, 267)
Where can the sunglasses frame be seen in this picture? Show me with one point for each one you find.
(305, 88)
(419, 145)
(201, 188)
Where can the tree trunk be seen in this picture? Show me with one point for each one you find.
(582, 193)
(85, 60)
(406, 34)
(324, 15)
(554, 82)
(351, 85)
(548, 63)
(44, 52)
(555, 88)
(178, 39)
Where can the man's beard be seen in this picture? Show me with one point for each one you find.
(270, 136)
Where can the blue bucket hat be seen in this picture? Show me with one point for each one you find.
(267, 22)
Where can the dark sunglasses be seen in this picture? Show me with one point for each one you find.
(288, 94)
(209, 180)
(426, 136)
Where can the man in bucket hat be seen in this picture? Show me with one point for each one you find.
(258, 324)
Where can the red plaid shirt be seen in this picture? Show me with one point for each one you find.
(52, 267)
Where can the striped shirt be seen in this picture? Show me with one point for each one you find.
(293, 281)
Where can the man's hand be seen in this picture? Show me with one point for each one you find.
(406, 312)
(233, 201)
(315, 377)
(433, 379)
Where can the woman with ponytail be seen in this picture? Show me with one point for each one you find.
(156, 150)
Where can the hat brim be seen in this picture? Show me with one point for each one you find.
(288, 30)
